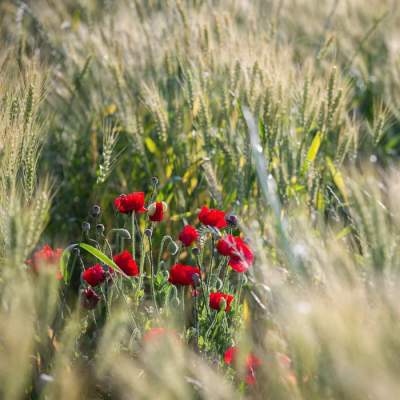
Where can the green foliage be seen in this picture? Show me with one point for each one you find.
(284, 113)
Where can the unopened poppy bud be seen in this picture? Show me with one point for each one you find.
(96, 210)
(222, 304)
(154, 180)
(100, 228)
(148, 232)
(196, 251)
(232, 220)
(86, 226)
(196, 279)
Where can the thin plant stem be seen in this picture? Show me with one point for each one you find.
(133, 235)
(153, 292)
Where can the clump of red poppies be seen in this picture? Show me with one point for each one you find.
(209, 277)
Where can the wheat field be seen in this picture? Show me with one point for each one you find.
(199, 199)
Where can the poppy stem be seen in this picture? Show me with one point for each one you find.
(153, 292)
(133, 234)
(209, 278)
(183, 309)
(225, 280)
(141, 268)
(239, 292)
(203, 288)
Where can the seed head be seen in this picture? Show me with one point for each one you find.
(85, 226)
(100, 228)
(196, 251)
(232, 220)
(96, 210)
(196, 279)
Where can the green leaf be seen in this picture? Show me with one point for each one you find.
(101, 256)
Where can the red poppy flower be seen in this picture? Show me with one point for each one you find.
(89, 299)
(252, 363)
(230, 355)
(125, 261)
(226, 245)
(46, 257)
(94, 275)
(215, 300)
(154, 333)
(188, 235)
(156, 211)
(240, 255)
(127, 203)
(212, 217)
(182, 274)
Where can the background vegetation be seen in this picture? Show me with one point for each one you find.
(285, 113)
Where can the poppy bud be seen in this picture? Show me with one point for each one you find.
(155, 181)
(96, 210)
(196, 251)
(196, 279)
(86, 226)
(100, 228)
(232, 220)
(148, 232)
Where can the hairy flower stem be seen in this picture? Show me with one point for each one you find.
(197, 322)
(141, 270)
(216, 319)
(203, 288)
(183, 308)
(219, 269)
(153, 292)
(226, 276)
(209, 278)
(133, 235)
(239, 292)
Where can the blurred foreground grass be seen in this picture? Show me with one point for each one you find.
(284, 112)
